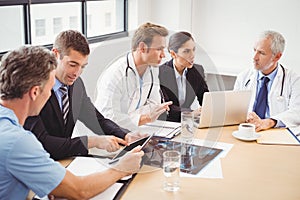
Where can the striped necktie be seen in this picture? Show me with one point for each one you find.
(65, 101)
(262, 99)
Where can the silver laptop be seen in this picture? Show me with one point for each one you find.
(222, 108)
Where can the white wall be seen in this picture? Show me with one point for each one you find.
(173, 14)
(227, 30)
(138, 13)
(102, 55)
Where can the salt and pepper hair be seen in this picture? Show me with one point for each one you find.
(145, 33)
(71, 40)
(178, 39)
(277, 41)
(23, 69)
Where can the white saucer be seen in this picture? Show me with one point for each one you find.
(237, 135)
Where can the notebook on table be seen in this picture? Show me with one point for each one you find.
(279, 136)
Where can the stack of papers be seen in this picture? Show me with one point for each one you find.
(160, 128)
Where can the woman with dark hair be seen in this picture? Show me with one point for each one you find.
(180, 79)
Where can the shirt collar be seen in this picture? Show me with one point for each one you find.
(177, 75)
(9, 114)
(131, 61)
(57, 85)
(133, 66)
(271, 76)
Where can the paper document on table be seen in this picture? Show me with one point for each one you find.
(109, 193)
(280, 136)
(161, 128)
(296, 131)
(82, 166)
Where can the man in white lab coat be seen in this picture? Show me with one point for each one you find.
(283, 85)
(129, 90)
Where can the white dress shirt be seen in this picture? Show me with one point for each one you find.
(181, 84)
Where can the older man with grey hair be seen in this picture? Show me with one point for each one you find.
(276, 89)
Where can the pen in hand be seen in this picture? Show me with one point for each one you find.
(163, 99)
(113, 161)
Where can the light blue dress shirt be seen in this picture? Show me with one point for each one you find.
(24, 164)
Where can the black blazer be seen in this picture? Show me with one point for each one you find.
(55, 136)
(196, 86)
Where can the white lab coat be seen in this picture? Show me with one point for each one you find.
(118, 95)
(285, 108)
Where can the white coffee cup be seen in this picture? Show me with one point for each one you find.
(247, 130)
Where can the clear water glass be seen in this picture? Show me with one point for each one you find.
(171, 169)
(187, 126)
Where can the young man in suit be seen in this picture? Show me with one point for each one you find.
(26, 78)
(181, 80)
(54, 125)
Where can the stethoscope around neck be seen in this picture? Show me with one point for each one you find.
(280, 97)
(126, 75)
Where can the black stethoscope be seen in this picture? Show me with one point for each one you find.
(280, 97)
(126, 75)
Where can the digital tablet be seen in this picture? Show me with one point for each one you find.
(142, 142)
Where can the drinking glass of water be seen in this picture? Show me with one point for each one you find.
(187, 126)
(171, 168)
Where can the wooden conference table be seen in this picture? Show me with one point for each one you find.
(250, 171)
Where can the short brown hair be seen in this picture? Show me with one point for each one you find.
(71, 39)
(145, 33)
(24, 68)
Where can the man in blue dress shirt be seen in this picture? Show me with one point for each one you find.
(26, 78)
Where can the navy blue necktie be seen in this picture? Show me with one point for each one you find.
(65, 102)
(262, 99)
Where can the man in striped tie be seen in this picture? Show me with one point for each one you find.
(65, 101)
(69, 102)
